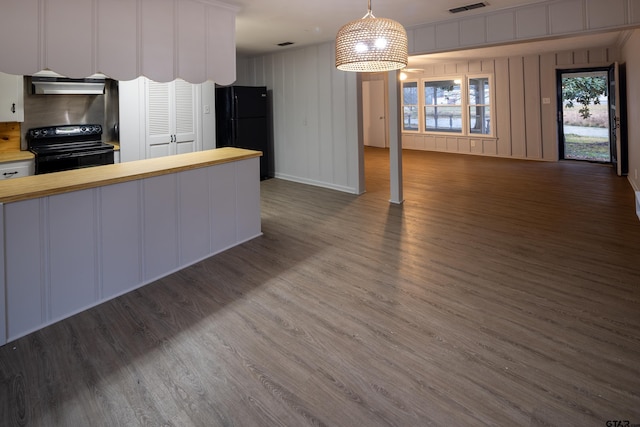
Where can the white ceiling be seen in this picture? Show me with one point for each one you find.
(262, 24)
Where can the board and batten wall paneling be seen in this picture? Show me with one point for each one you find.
(525, 126)
(117, 50)
(158, 25)
(3, 287)
(548, 116)
(121, 237)
(18, 19)
(629, 55)
(532, 105)
(222, 200)
(315, 117)
(503, 108)
(26, 304)
(524, 23)
(73, 255)
(247, 177)
(66, 52)
(68, 252)
(160, 225)
(124, 39)
(194, 215)
(191, 40)
(517, 107)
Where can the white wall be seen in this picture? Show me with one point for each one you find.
(629, 55)
(315, 115)
(525, 127)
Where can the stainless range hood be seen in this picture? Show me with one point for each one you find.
(48, 83)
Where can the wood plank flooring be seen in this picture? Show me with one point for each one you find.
(502, 292)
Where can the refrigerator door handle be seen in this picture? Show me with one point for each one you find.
(235, 122)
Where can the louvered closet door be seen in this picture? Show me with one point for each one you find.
(159, 119)
(185, 117)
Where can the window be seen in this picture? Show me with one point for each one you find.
(443, 106)
(455, 105)
(410, 119)
(479, 106)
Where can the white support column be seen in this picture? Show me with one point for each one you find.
(395, 139)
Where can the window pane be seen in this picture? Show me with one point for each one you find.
(479, 91)
(443, 119)
(410, 120)
(444, 92)
(480, 119)
(410, 93)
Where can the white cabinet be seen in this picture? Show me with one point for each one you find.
(16, 169)
(171, 118)
(11, 98)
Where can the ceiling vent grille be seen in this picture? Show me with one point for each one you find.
(467, 7)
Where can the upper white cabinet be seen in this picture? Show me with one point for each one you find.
(11, 98)
(171, 118)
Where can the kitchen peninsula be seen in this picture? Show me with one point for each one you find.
(74, 239)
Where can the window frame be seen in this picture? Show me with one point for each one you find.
(465, 105)
(419, 102)
(492, 102)
(461, 105)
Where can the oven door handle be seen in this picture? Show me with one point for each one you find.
(72, 155)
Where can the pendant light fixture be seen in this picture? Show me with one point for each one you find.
(371, 44)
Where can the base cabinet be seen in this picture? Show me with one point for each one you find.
(68, 252)
(16, 169)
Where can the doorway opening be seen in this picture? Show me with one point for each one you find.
(374, 110)
(584, 115)
(375, 133)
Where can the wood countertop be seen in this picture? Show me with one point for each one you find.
(15, 156)
(31, 187)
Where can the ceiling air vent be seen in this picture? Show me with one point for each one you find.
(285, 44)
(467, 7)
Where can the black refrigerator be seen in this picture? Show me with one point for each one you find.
(243, 121)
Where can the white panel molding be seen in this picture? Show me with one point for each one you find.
(473, 31)
(567, 17)
(551, 18)
(532, 22)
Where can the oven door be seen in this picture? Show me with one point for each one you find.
(67, 161)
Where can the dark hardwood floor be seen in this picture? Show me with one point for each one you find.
(501, 292)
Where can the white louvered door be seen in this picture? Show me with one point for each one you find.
(171, 118)
(159, 119)
(185, 117)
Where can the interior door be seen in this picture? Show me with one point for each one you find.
(615, 120)
(159, 119)
(374, 112)
(185, 123)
